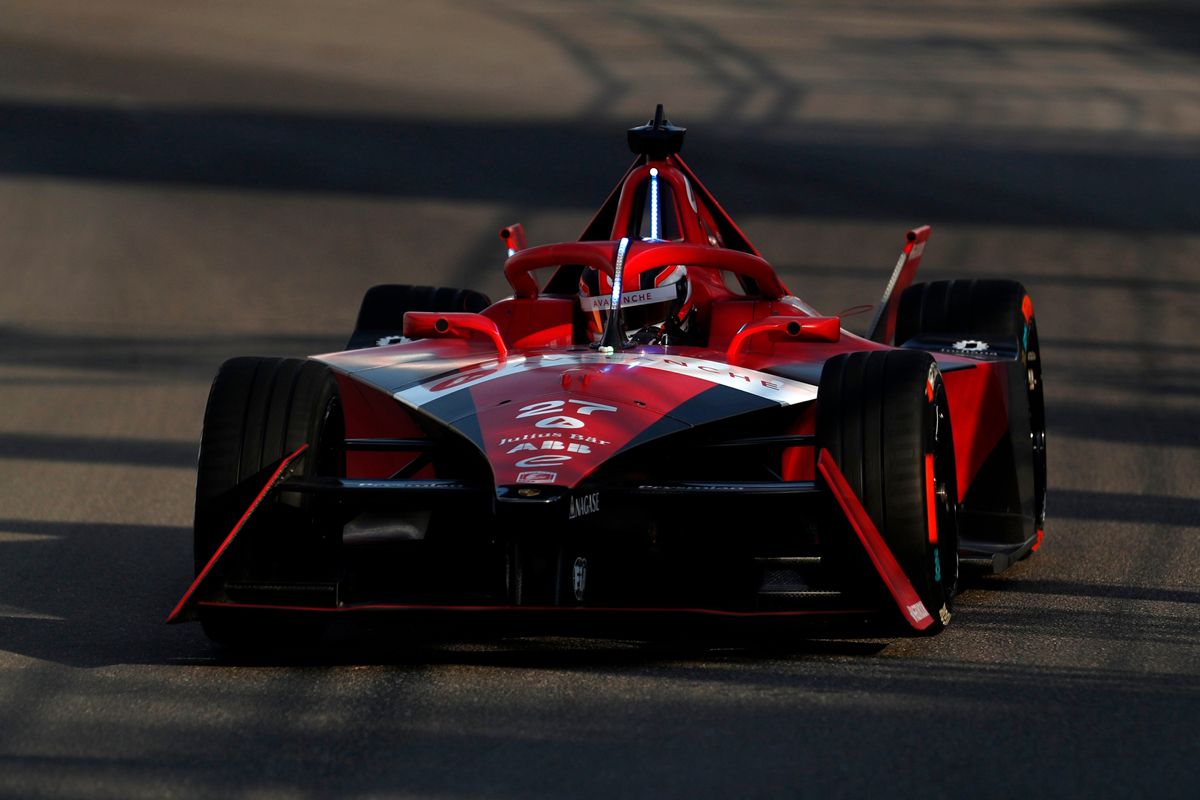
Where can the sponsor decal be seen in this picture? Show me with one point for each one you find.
(917, 611)
(629, 299)
(537, 477)
(551, 415)
(551, 444)
(542, 461)
(579, 578)
(460, 381)
(584, 504)
(970, 345)
(573, 437)
(697, 488)
(944, 615)
(559, 422)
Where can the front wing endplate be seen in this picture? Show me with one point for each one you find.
(183, 609)
(898, 584)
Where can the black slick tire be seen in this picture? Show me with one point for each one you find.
(882, 415)
(259, 411)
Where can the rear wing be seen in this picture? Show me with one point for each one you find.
(883, 326)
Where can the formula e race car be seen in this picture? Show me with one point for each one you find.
(652, 428)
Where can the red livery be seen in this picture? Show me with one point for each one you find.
(652, 427)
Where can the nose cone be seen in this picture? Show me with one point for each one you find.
(553, 418)
(564, 435)
(555, 422)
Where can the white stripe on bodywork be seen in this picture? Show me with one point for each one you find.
(783, 391)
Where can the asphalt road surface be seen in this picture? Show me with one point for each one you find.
(180, 183)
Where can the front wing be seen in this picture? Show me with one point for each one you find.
(210, 589)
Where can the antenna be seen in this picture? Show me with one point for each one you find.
(658, 138)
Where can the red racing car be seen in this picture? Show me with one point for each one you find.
(655, 429)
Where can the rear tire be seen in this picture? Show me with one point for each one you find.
(381, 315)
(259, 411)
(881, 414)
(991, 310)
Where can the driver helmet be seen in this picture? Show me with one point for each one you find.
(658, 312)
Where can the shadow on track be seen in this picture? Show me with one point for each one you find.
(814, 173)
(95, 357)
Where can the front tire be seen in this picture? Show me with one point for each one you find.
(883, 417)
(259, 411)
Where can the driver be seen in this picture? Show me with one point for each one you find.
(660, 312)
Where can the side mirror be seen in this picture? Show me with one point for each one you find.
(453, 325)
(786, 329)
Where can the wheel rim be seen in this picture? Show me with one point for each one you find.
(1037, 420)
(942, 495)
